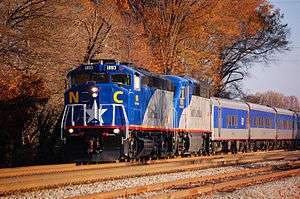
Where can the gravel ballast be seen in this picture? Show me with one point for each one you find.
(77, 190)
(281, 189)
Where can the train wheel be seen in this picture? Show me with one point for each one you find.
(268, 145)
(272, 145)
(225, 146)
(132, 148)
(238, 146)
(251, 146)
(207, 147)
(233, 147)
(174, 147)
(244, 146)
(213, 148)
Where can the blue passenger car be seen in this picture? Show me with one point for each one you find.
(298, 129)
(286, 128)
(262, 122)
(229, 120)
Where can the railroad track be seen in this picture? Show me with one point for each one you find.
(189, 188)
(48, 169)
(58, 177)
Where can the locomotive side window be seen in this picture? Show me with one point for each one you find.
(121, 79)
(137, 82)
(182, 93)
(196, 89)
(145, 81)
(170, 86)
(157, 83)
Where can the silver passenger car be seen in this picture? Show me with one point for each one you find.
(229, 119)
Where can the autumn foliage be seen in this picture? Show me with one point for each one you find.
(206, 39)
(275, 99)
(41, 40)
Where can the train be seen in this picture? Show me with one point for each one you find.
(116, 111)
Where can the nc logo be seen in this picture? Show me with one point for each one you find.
(116, 98)
(73, 98)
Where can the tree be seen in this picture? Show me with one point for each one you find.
(25, 32)
(252, 47)
(96, 21)
(25, 43)
(165, 24)
(275, 99)
(40, 41)
(215, 40)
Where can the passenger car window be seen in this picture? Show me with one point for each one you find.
(231, 120)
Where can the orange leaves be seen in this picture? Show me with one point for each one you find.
(170, 37)
(14, 85)
(275, 99)
(188, 34)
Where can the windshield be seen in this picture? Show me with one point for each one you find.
(86, 77)
(121, 79)
(100, 78)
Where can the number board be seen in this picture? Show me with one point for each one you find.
(89, 67)
(111, 68)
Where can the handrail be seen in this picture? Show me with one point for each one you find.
(68, 106)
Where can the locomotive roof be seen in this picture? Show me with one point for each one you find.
(146, 72)
(128, 66)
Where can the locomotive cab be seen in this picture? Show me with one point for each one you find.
(97, 102)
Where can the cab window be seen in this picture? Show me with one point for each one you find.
(100, 78)
(80, 79)
(137, 82)
(121, 79)
(86, 77)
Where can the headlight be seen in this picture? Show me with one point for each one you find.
(116, 131)
(71, 130)
(94, 95)
(94, 89)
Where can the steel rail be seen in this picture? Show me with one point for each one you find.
(124, 193)
(48, 169)
(229, 185)
(30, 183)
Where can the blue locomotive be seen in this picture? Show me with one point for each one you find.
(115, 111)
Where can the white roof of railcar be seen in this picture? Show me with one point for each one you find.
(259, 107)
(230, 103)
(284, 111)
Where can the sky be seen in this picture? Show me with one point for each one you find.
(282, 75)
